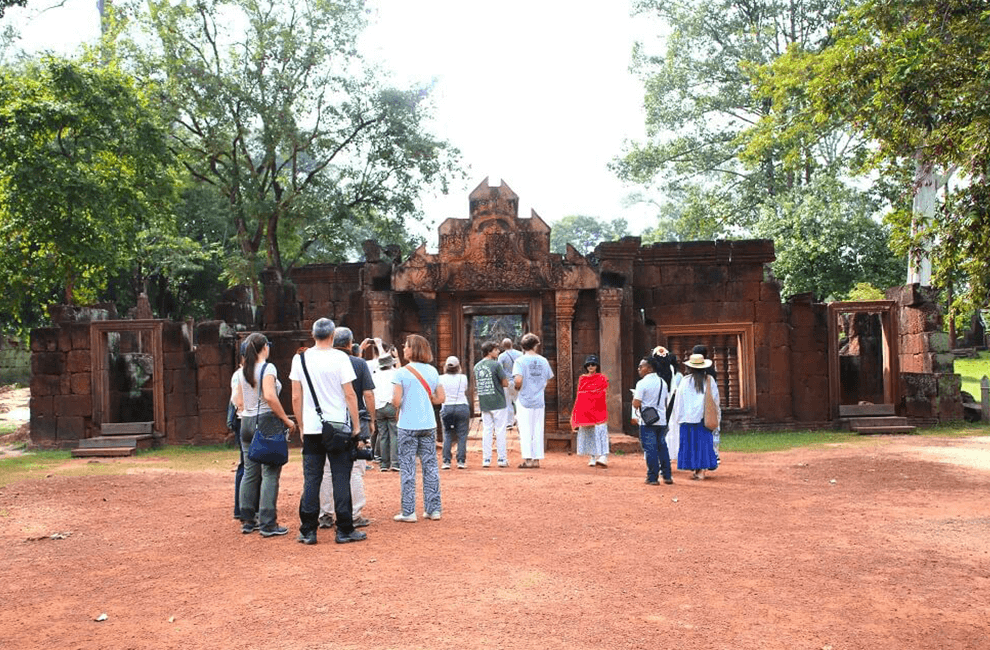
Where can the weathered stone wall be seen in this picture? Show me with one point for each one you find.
(61, 398)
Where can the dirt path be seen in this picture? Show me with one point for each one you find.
(882, 546)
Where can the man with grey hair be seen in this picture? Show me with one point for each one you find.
(325, 404)
(507, 359)
(364, 387)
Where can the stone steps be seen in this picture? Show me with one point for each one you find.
(103, 452)
(117, 439)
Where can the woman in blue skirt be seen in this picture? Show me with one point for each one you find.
(696, 451)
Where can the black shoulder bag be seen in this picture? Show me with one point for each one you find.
(649, 415)
(339, 440)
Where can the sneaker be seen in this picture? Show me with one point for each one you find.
(353, 536)
(602, 461)
(461, 465)
(668, 481)
(326, 521)
(486, 463)
(654, 482)
(409, 519)
(503, 463)
(393, 468)
(435, 516)
(308, 540)
(361, 522)
(249, 528)
(272, 532)
(383, 469)
(591, 463)
(445, 466)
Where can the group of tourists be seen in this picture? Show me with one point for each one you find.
(355, 409)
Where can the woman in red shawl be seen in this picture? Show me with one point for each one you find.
(590, 415)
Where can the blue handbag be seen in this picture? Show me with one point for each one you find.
(269, 444)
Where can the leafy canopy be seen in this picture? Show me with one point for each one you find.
(84, 168)
(584, 233)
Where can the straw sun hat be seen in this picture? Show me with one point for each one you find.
(698, 361)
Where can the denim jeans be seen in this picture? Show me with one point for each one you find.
(388, 439)
(316, 450)
(455, 419)
(259, 486)
(654, 444)
(421, 443)
(240, 469)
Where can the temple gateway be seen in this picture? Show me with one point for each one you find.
(797, 363)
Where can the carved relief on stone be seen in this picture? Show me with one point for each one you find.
(565, 302)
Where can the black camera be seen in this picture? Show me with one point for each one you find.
(362, 453)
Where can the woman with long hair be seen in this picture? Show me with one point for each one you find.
(590, 414)
(695, 452)
(455, 414)
(259, 388)
(417, 389)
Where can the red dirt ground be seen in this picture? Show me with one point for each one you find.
(881, 545)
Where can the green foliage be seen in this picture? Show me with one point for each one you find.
(913, 77)
(826, 241)
(584, 233)
(84, 169)
(5, 4)
(863, 292)
(275, 112)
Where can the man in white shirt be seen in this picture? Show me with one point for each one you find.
(651, 392)
(331, 378)
(507, 359)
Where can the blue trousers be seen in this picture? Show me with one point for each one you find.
(316, 450)
(654, 443)
(455, 419)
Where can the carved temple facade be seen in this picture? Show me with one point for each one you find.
(493, 275)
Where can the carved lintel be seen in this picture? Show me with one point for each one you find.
(565, 302)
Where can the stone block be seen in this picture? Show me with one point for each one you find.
(47, 363)
(208, 355)
(213, 399)
(747, 273)
(79, 361)
(768, 312)
(938, 342)
(733, 312)
(176, 405)
(810, 398)
(209, 377)
(174, 360)
(916, 321)
(773, 407)
(762, 357)
(208, 333)
(41, 405)
(45, 385)
(780, 335)
(44, 428)
(642, 296)
(44, 339)
(73, 406)
(670, 294)
(710, 276)
(743, 291)
(678, 274)
(71, 428)
(213, 425)
(78, 335)
(647, 276)
(769, 292)
(174, 337)
(80, 383)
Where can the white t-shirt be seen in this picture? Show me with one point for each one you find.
(329, 370)
(384, 389)
(652, 391)
(536, 372)
(235, 381)
(254, 400)
(454, 388)
(689, 403)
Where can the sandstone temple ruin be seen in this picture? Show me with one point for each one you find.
(793, 363)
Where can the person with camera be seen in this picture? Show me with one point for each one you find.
(650, 399)
(364, 387)
(323, 393)
(417, 389)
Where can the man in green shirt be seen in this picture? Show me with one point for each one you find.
(490, 382)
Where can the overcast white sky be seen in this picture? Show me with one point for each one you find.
(537, 93)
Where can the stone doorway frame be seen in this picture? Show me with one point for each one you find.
(98, 331)
(485, 307)
(886, 310)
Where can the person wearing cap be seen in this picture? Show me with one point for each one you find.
(387, 443)
(490, 382)
(590, 414)
(455, 415)
(695, 451)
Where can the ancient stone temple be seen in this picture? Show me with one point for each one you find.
(788, 364)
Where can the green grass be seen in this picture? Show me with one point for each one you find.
(763, 441)
(971, 371)
(7, 427)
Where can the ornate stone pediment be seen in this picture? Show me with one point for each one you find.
(493, 249)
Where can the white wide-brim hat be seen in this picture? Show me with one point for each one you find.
(698, 361)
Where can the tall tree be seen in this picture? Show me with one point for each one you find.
(699, 99)
(84, 168)
(912, 76)
(584, 233)
(276, 111)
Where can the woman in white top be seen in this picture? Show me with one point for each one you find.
(696, 451)
(259, 388)
(455, 413)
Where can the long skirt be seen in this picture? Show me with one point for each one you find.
(592, 440)
(696, 449)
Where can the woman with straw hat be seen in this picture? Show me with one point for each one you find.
(696, 451)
